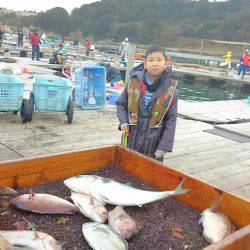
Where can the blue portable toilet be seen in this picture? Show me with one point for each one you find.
(90, 87)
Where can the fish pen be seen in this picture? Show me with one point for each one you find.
(171, 223)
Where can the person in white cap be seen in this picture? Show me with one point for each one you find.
(124, 49)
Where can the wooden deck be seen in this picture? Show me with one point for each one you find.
(212, 158)
(217, 160)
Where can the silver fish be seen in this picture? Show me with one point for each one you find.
(216, 225)
(122, 223)
(44, 204)
(90, 207)
(7, 190)
(108, 191)
(102, 237)
(34, 240)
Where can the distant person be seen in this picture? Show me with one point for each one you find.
(228, 58)
(112, 74)
(245, 63)
(147, 108)
(124, 49)
(20, 38)
(75, 43)
(87, 45)
(1, 35)
(34, 41)
(43, 39)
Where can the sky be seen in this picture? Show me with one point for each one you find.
(43, 5)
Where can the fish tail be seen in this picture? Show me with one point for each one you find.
(180, 190)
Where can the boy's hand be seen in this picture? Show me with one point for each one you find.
(158, 158)
(125, 127)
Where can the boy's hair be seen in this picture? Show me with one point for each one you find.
(155, 49)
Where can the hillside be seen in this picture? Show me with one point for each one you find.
(164, 21)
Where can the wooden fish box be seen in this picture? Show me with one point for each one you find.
(29, 172)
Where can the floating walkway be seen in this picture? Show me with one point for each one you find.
(215, 112)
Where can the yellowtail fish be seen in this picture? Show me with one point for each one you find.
(101, 236)
(108, 191)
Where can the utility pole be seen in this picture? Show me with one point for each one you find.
(130, 62)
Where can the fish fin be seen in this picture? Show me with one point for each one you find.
(103, 199)
(207, 239)
(7, 190)
(200, 221)
(180, 190)
(125, 243)
(32, 194)
(91, 200)
(128, 184)
(215, 204)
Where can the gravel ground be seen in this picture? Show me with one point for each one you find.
(155, 219)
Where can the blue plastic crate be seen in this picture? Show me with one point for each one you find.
(51, 94)
(11, 93)
(90, 87)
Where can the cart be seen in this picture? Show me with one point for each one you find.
(11, 97)
(52, 95)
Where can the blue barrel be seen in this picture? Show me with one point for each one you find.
(90, 87)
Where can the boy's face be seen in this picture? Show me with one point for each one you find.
(155, 64)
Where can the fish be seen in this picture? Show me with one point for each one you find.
(216, 225)
(4, 244)
(34, 240)
(44, 204)
(108, 191)
(90, 207)
(122, 223)
(101, 236)
(7, 190)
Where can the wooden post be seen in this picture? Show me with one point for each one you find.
(130, 62)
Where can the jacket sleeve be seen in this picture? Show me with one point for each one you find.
(122, 107)
(169, 124)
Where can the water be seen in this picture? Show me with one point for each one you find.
(211, 90)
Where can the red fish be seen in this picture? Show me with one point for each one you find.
(122, 223)
(44, 204)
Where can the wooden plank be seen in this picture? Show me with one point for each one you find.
(201, 194)
(203, 147)
(215, 111)
(27, 172)
(238, 150)
(238, 240)
(241, 128)
(231, 182)
(243, 191)
(223, 171)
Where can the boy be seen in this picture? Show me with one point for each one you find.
(147, 108)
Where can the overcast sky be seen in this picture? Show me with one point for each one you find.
(42, 5)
